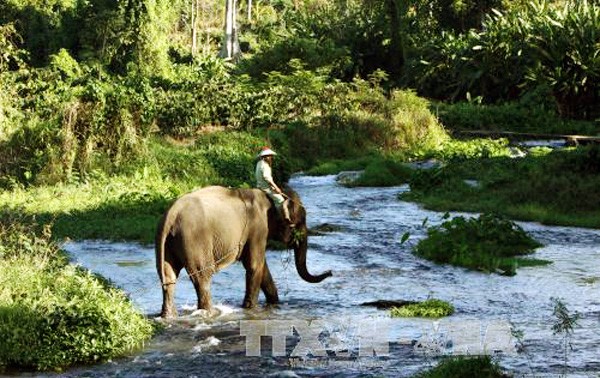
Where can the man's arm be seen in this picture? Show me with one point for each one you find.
(268, 177)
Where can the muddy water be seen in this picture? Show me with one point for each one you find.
(369, 263)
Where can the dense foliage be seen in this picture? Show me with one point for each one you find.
(488, 243)
(517, 51)
(53, 314)
(87, 109)
(111, 109)
(90, 120)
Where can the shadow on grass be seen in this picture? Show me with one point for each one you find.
(119, 219)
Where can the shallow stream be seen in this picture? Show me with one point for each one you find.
(369, 263)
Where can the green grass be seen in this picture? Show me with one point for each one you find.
(488, 243)
(52, 314)
(127, 206)
(430, 308)
(464, 367)
(515, 116)
(559, 188)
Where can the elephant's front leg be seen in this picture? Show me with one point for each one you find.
(254, 277)
(268, 286)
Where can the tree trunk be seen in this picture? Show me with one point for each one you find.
(194, 26)
(231, 47)
(398, 9)
(249, 11)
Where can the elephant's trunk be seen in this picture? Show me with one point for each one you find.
(300, 249)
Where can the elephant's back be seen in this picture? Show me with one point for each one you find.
(213, 202)
(210, 196)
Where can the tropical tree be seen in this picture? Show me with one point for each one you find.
(566, 43)
(231, 47)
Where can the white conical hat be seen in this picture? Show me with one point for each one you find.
(266, 151)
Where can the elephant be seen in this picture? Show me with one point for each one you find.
(210, 228)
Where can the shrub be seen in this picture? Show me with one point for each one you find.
(455, 150)
(488, 243)
(53, 315)
(465, 367)
(554, 187)
(358, 120)
(55, 319)
(76, 123)
(430, 308)
(515, 116)
(22, 238)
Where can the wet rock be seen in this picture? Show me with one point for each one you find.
(324, 228)
(284, 374)
(383, 304)
(206, 344)
(348, 177)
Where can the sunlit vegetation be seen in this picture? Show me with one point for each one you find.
(559, 187)
(487, 243)
(430, 308)
(53, 314)
(110, 110)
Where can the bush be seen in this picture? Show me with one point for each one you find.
(465, 367)
(430, 308)
(455, 150)
(488, 243)
(53, 315)
(360, 120)
(75, 123)
(557, 187)
(343, 40)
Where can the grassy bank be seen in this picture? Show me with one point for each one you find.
(559, 188)
(127, 206)
(53, 314)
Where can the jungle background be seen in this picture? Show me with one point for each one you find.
(111, 109)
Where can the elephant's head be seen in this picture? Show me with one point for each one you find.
(296, 237)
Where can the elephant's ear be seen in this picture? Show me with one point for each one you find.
(297, 210)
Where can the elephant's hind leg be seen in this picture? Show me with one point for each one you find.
(171, 272)
(201, 282)
(268, 286)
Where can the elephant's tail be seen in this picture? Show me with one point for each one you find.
(164, 228)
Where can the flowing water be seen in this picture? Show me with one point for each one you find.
(369, 263)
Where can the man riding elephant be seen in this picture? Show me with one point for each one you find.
(265, 182)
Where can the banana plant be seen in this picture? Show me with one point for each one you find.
(567, 50)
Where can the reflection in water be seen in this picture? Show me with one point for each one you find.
(369, 263)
